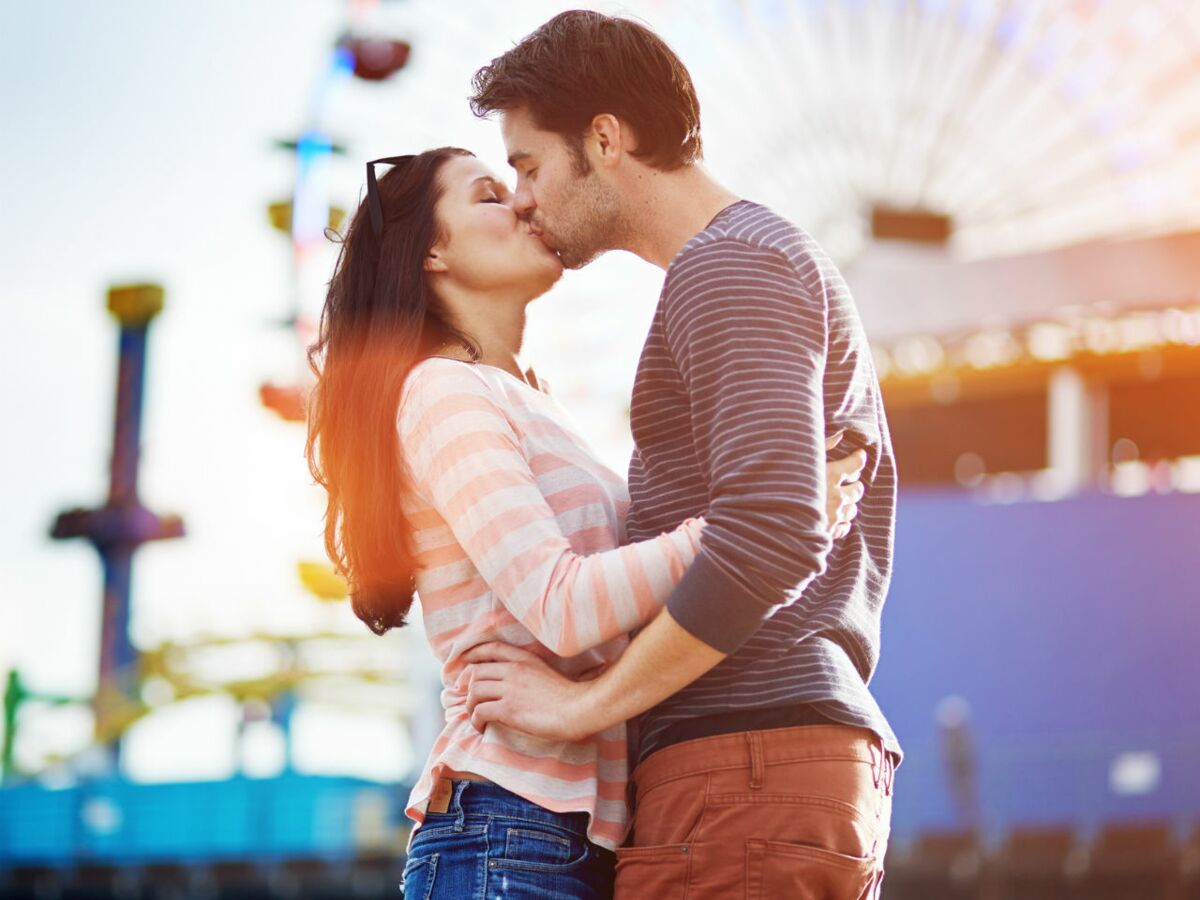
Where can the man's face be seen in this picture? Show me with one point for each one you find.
(565, 199)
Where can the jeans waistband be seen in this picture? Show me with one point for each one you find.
(484, 798)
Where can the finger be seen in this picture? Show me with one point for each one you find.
(839, 469)
(492, 651)
(835, 520)
(843, 495)
(848, 468)
(497, 651)
(478, 672)
(858, 461)
(483, 692)
(492, 711)
(834, 439)
(847, 507)
(841, 531)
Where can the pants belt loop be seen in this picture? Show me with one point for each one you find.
(456, 804)
(754, 742)
(886, 767)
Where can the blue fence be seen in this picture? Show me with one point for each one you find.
(1072, 631)
(115, 821)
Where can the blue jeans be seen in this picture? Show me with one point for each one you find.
(490, 843)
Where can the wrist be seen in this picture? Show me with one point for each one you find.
(591, 710)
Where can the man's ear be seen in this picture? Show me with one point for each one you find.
(610, 139)
(435, 262)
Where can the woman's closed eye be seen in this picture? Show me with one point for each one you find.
(494, 196)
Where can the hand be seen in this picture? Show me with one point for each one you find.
(517, 688)
(844, 489)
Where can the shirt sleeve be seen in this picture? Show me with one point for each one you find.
(749, 340)
(465, 458)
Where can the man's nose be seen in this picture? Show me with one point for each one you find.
(523, 202)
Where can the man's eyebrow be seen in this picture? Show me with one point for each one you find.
(515, 158)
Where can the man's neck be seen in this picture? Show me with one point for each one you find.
(669, 208)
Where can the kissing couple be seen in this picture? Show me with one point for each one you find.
(653, 686)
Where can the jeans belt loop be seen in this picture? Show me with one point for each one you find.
(456, 804)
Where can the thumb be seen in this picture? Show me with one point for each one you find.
(834, 439)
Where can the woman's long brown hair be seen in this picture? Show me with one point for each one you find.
(380, 318)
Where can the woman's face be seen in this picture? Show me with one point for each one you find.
(484, 247)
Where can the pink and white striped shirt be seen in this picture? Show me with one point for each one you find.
(518, 532)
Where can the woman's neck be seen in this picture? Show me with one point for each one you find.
(499, 337)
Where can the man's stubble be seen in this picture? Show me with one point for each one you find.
(593, 220)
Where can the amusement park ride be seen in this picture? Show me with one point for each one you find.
(180, 671)
(105, 816)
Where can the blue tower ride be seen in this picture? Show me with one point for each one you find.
(122, 524)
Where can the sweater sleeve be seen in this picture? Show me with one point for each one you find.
(465, 459)
(749, 341)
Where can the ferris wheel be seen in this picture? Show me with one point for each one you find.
(1009, 125)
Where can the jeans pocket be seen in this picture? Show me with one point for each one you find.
(540, 848)
(654, 873)
(459, 863)
(419, 875)
(426, 836)
(804, 872)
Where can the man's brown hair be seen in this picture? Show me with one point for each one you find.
(581, 64)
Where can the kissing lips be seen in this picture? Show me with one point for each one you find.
(541, 238)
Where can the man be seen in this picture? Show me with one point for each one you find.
(764, 764)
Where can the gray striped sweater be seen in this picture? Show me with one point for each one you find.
(755, 353)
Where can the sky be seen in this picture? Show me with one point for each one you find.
(139, 146)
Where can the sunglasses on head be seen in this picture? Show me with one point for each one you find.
(374, 205)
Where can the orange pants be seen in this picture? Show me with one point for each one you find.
(787, 814)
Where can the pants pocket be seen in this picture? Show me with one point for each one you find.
(541, 848)
(653, 873)
(419, 875)
(802, 872)
(456, 860)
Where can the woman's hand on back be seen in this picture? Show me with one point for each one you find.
(844, 487)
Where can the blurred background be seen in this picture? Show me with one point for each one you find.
(1013, 191)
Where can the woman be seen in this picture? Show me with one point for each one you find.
(449, 469)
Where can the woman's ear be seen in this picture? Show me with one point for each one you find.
(434, 261)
